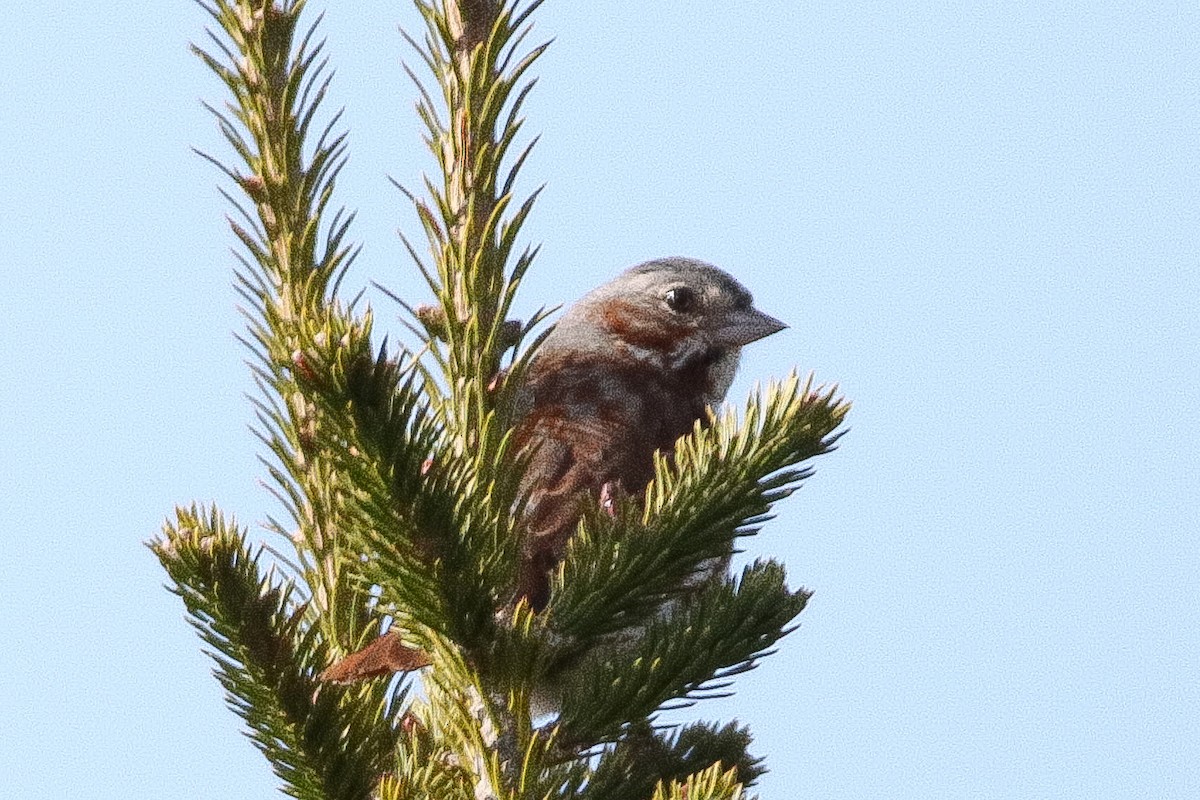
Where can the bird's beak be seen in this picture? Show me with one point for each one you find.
(747, 325)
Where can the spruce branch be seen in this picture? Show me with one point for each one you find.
(643, 757)
(474, 53)
(305, 342)
(469, 219)
(325, 742)
(720, 631)
(464, 512)
(719, 485)
(292, 266)
(305, 345)
(710, 784)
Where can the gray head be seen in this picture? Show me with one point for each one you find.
(671, 313)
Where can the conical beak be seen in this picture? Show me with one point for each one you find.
(746, 325)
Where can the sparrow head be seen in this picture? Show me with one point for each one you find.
(679, 315)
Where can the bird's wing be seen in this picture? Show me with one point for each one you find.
(570, 461)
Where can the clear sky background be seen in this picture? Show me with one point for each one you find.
(981, 220)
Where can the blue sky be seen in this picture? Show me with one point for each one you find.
(981, 220)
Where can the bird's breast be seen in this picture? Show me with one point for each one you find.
(612, 402)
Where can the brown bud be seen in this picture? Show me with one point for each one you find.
(254, 186)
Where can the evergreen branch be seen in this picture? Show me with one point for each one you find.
(720, 632)
(719, 485)
(471, 232)
(426, 775)
(436, 552)
(709, 784)
(464, 48)
(635, 765)
(288, 279)
(324, 742)
(405, 510)
(470, 238)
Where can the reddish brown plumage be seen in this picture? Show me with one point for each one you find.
(595, 421)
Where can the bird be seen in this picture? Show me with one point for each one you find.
(628, 369)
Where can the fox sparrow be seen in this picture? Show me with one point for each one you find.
(628, 370)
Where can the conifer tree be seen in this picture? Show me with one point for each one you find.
(394, 466)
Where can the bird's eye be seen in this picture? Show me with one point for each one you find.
(681, 299)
